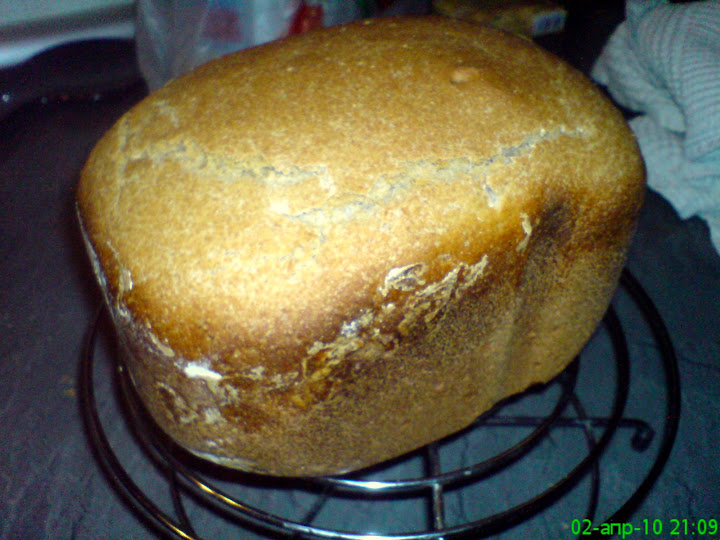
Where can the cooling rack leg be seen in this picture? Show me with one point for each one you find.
(438, 506)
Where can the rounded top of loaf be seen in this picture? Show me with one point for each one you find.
(256, 203)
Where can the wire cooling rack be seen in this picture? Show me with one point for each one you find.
(227, 494)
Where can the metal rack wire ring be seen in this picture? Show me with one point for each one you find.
(186, 481)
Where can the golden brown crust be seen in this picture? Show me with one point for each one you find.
(324, 252)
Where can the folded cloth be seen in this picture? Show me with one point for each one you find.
(663, 62)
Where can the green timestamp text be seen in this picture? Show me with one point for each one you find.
(648, 528)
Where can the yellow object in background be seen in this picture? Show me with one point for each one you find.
(530, 18)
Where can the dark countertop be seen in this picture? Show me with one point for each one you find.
(51, 485)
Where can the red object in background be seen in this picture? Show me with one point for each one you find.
(308, 16)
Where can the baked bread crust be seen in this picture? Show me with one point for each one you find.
(327, 251)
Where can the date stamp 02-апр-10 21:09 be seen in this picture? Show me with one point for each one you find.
(647, 528)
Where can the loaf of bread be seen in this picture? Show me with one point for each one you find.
(330, 250)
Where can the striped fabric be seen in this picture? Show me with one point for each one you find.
(663, 62)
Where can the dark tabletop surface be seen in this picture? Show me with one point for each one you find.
(51, 485)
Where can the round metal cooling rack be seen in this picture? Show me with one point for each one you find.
(188, 479)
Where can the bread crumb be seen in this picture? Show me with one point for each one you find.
(527, 229)
(195, 371)
(164, 349)
(463, 74)
(404, 278)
